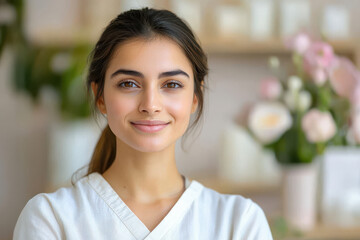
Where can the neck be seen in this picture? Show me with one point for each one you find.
(144, 177)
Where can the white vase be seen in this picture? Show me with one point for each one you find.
(71, 146)
(299, 189)
(244, 160)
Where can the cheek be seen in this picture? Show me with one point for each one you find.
(180, 107)
(118, 106)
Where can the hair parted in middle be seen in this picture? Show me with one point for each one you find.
(145, 24)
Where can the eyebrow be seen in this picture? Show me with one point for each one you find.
(173, 73)
(127, 72)
(139, 74)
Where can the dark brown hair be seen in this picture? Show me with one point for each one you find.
(140, 23)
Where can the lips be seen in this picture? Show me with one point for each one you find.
(149, 126)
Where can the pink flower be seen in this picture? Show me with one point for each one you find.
(299, 42)
(355, 100)
(319, 55)
(356, 128)
(317, 59)
(354, 131)
(319, 76)
(270, 88)
(318, 126)
(344, 77)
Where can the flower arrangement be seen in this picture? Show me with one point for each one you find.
(317, 106)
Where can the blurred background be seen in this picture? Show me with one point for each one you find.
(254, 139)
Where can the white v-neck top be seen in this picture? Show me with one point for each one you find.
(91, 209)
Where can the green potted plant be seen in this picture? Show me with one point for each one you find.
(58, 71)
(60, 68)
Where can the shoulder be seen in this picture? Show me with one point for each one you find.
(38, 220)
(245, 217)
(41, 218)
(66, 196)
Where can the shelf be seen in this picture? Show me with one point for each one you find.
(322, 232)
(273, 46)
(326, 232)
(231, 187)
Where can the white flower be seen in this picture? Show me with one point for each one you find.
(294, 83)
(274, 62)
(297, 101)
(269, 120)
(318, 126)
(290, 99)
(304, 101)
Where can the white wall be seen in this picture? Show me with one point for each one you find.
(23, 144)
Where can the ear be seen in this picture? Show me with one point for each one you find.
(195, 100)
(100, 103)
(194, 104)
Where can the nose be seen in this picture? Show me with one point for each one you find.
(150, 101)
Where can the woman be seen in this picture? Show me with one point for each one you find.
(147, 74)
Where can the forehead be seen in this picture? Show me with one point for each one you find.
(155, 55)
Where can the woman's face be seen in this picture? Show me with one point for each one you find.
(148, 94)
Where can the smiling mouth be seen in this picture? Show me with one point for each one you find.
(149, 126)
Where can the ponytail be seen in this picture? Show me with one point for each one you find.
(104, 153)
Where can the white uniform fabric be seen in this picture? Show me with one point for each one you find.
(91, 209)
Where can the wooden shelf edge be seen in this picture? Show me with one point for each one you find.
(272, 46)
(232, 187)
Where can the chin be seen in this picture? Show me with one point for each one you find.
(149, 148)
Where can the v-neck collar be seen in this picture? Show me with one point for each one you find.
(131, 221)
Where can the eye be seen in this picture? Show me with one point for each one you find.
(173, 84)
(128, 84)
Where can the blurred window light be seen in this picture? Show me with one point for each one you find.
(262, 19)
(190, 11)
(134, 4)
(295, 15)
(336, 22)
